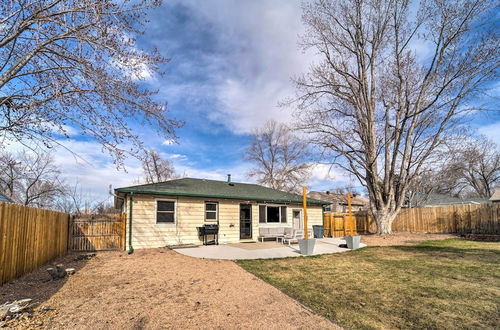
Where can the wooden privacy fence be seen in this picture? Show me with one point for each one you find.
(460, 219)
(29, 238)
(97, 234)
(338, 224)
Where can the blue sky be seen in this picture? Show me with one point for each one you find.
(231, 63)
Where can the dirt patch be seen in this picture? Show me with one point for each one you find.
(38, 285)
(402, 238)
(483, 237)
(158, 288)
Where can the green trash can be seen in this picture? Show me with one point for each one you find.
(318, 231)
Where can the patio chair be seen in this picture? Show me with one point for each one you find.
(287, 232)
(296, 235)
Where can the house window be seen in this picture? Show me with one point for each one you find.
(211, 209)
(272, 214)
(165, 212)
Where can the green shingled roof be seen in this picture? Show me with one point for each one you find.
(432, 199)
(216, 189)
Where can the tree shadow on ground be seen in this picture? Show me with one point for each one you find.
(451, 252)
(38, 285)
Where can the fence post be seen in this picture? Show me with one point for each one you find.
(70, 231)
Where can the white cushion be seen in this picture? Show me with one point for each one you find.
(263, 231)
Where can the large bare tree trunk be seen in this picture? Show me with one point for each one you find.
(384, 219)
(374, 107)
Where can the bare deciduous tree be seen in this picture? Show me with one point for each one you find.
(468, 167)
(278, 157)
(157, 169)
(475, 166)
(377, 109)
(74, 201)
(76, 63)
(35, 180)
(82, 203)
(9, 174)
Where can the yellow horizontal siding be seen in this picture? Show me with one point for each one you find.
(190, 213)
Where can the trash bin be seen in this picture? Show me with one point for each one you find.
(353, 242)
(318, 231)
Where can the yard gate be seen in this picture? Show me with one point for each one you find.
(97, 234)
(336, 224)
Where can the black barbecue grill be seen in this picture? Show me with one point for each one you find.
(209, 230)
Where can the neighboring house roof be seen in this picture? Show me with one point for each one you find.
(496, 196)
(216, 189)
(4, 198)
(432, 199)
(339, 198)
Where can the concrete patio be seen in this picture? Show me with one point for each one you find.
(261, 250)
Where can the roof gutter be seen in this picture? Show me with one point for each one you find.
(149, 192)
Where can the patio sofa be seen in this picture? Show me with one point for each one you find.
(274, 232)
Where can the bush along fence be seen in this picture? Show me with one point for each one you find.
(481, 219)
(29, 238)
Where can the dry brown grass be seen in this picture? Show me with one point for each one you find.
(403, 238)
(446, 284)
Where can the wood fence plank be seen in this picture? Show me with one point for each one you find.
(97, 234)
(29, 238)
(461, 219)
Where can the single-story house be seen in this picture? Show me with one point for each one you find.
(338, 202)
(434, 199)
(4, 198)
(495, 198)
(170, 212)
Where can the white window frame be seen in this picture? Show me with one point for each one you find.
(279, 208)
(216, 211)
(156, 212)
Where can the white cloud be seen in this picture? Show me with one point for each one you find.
(134, 66)
(168, 142)
(179, 157)
(238, 172)
(491, 131)
(257, 56)
(324, 176)
(94, 171)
